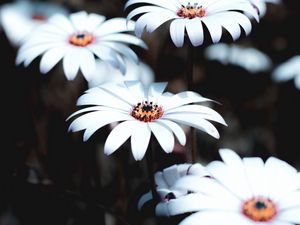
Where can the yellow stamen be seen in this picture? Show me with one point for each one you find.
(191, 11)
(147, 112)
(259, 209)
(81, 39)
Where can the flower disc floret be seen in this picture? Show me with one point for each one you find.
(81, 39)
(191, 11)
(147, 111)
(259, 209)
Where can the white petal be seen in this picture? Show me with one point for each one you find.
(207, 186)
(177, 130)
(290, 215)
(51, 58)
(122, 49)
(194, 120)
(277, 188)
(171, 175)
(115, 25)
(79, 20)
(177, 30)
(29, 54)
(229, 21)
(93, 21)
(102, 97)
(88, 64)
(171, 5)
(216, 218)
(230, 179)
(124, 38)
(62, 23)
(155, 90)
(254, 168)
(297, 82)
(145, 198)
(71, 63)
(163, 135)
(206, 112)
(160, 180)
(180, 99)
(213, 27)
(196, 202)
(137, 89)
(290, 200)
(162, 209)
(140, 140)
(95, 120)
(118, 136)
(195, 31)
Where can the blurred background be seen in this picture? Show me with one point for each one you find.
(49, 176)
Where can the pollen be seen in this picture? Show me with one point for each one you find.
(147, 111)
(81, 39)
(259, 209)
(191, 11)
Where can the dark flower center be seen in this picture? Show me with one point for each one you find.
(259, 209)
(147, 111)
(81, 39)
(191, 11)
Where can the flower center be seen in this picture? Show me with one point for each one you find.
(81, 39)
(38, 17)
(147, 111)
(191, 11)
(259, 209)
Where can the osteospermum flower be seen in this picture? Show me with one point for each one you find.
(106, 73)
(77, 40)
(141, 113)
(250, 59)
(165, 181)
(244, 191)
(261, 5)
(20, 18)
(288, 70)
(190, 16)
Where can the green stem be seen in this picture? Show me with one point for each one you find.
(190, 86)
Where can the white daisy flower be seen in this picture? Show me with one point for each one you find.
(77, 40)
(143, 112)
(191, 16)
(165, 181)
(288, 70)
(106, 73)
(249, 58)
(261, 5)
(244, 191)
(18, 19)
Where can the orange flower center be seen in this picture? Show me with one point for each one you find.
(191, 11)
(81, 39)
(147, 112)
(38, 17)
(259, 209)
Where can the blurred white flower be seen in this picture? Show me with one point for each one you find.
(244, 191)
(191, 16)
(18, 19)
(288, 70)
(261, 5)
(143, 112)
(165, 181)
(106, 73)
(250, 59)
(77, 40)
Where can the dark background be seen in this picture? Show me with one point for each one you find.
(49, 176)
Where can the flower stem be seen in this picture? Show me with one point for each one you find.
(150, 168)
(190, 86)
